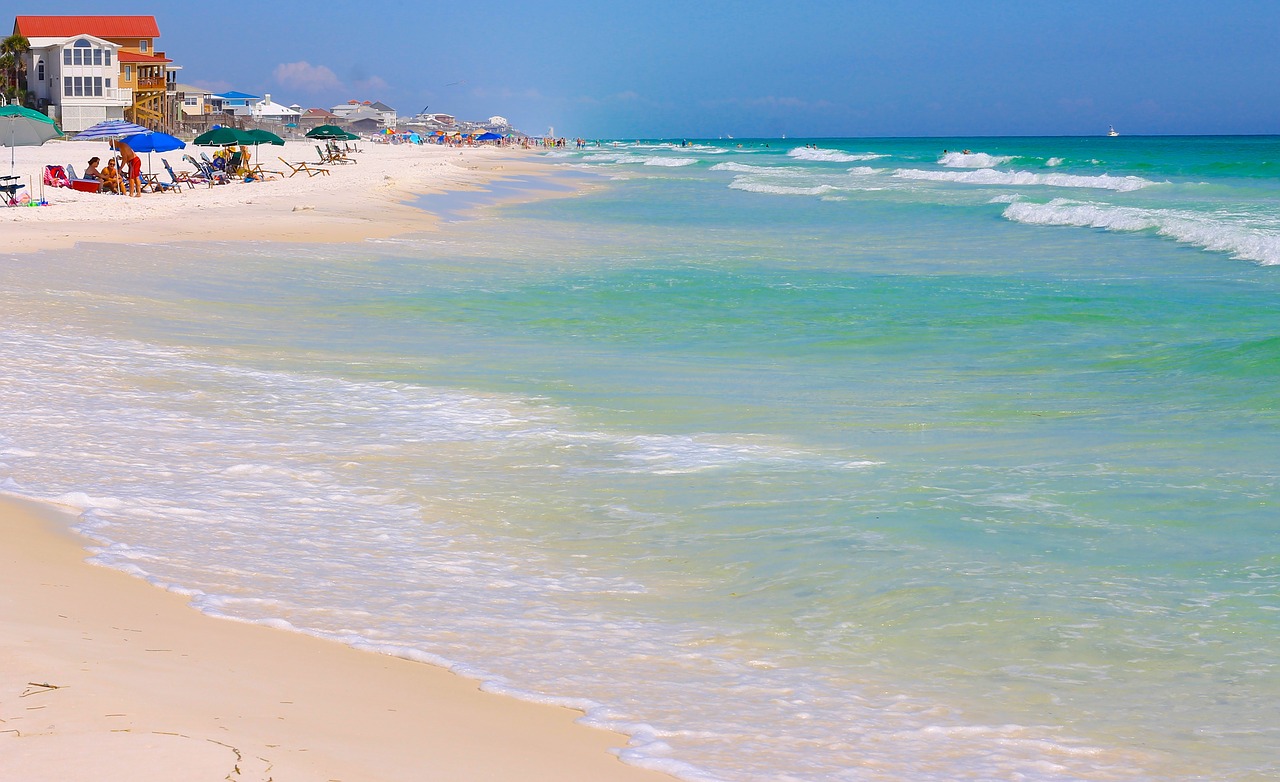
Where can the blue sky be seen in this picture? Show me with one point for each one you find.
(654, 68)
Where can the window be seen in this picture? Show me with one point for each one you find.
(128, 73)
(107, 83)
(97, 56)
(77, 86)
(39, 70)
(106, 56)
(66, 56)
(97, 86)
(142, 45)
(66, 85)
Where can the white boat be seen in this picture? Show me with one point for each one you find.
(1111, 131)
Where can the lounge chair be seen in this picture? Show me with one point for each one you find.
(181, 179)
(311, 169)
(207, 171)
(331, 156)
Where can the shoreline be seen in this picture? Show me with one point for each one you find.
(147, 687)
(141, 686)
(371, 199)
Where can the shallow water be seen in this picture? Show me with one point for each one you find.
(864, 462)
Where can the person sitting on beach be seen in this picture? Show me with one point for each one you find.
(92, 171)
(111, 178)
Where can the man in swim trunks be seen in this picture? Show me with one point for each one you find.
(133, 169)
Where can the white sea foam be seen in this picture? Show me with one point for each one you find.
(747, 168)
(670, 162)
(973, 160)
(756, 186)
(1053, 162)
(988, 176)
(1218, 233)
(831, 155)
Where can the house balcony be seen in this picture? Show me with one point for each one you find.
(153, 84)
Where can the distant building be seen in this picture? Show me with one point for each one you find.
(355, 110)
(85, 69)
(237, 103)
(314, 118)
(267, 110)
(197, 101)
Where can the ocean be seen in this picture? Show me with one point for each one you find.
(792, 459)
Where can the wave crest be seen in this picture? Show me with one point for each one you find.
(988, 176)
(973, 160)
(830, 155)
(1242, 242)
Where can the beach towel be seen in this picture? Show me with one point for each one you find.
(56, 176)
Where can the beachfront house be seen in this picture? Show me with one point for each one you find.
(385, 112)
(268, 111)
(84, 69)
(238, 103)
(196, 101)
(314, 118)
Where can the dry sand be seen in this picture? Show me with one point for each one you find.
(106, 678)
(353, 202)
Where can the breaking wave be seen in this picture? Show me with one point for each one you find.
(830, 155)
(973, 160)
(1210, 232)
(988, 176)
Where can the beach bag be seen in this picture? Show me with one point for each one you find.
(56, 176)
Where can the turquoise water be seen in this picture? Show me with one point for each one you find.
(863, 462)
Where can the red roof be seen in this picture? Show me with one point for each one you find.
(124, 56)
(100, 26)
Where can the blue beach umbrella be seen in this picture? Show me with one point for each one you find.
(153, 141)
(110, 129)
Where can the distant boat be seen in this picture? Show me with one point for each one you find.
(1111, 131)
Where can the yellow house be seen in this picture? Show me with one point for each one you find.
(142, 70)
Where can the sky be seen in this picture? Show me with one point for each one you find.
(709, 69)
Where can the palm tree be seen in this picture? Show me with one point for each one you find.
(12, 61)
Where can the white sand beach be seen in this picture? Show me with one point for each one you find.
(351, 202)
(105, 677)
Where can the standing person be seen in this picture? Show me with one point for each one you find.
(133, 169)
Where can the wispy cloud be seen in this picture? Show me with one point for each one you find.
(370, 84)
(307, 77)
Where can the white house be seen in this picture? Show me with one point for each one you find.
(75, 80)
(269, 111)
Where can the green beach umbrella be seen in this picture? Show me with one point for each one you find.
(23, 127)
(327, 133)
(223, 137)
(261, 136)
(265, 137)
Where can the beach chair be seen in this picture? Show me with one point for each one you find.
(233, 164)
(331, 157)
(9, 187)
(338, 154)
(310, 169)
(207, 171)
(180, 179)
